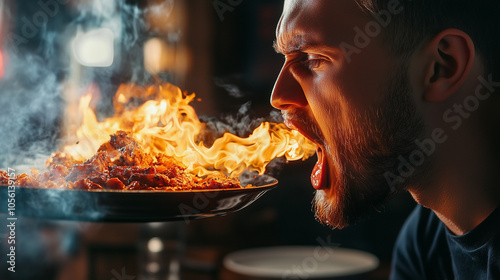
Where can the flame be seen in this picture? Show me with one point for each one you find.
(166, 123)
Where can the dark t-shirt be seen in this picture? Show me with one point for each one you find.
(426, 249)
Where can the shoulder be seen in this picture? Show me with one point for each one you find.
(421, 241)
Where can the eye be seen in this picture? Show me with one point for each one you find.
(313, 62)
(304, 64)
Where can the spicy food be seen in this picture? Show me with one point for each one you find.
(119, 164)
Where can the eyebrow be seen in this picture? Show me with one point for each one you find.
(290, 44)
(295, 43)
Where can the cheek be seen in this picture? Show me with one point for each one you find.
(331, 110)
(324, 101)
(364, 78)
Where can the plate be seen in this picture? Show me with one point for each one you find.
(130, 206)
(300, 262)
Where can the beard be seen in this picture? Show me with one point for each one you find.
(372, 147)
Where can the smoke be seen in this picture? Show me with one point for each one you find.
(37, 43)
(30, 116)
(232, 89)
(31, 109)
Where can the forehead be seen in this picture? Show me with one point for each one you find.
(321, 21)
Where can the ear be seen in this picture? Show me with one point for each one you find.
(451, 55)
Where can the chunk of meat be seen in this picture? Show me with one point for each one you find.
(85, 184)
(114, 184)
(129, 151)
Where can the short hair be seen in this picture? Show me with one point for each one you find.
(421, 20)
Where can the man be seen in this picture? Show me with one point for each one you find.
(400, 96)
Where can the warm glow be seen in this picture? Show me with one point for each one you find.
(153, 50)
(166, 123)
(160, 57)
(1, 65)
(94, 48)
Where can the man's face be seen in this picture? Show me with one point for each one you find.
(357, 107)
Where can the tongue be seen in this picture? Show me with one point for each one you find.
(318, 176)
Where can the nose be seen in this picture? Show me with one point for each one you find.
(287, 91)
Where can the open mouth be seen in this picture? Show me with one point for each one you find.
(319, 175)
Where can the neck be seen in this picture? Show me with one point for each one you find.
(464, 189)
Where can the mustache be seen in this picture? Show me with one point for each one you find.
(295, 116)
(300, 121)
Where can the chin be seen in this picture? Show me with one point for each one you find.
(347, 204)
(331, 211)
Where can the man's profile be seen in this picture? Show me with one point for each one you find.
(401, 96)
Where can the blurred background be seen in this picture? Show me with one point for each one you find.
(53, 51)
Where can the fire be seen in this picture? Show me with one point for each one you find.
(166, 123)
